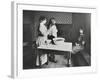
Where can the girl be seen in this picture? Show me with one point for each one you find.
(81, 40)
(52, 30)
(42, 37)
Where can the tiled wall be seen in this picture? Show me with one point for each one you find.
(61, 18)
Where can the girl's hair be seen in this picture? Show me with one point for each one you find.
(42, 18)
(50, 22)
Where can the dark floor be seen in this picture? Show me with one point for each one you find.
(29, 59)
(61, 62)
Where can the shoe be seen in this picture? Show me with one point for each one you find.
(46, 63)
(55, 61)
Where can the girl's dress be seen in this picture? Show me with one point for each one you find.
(41, 41)
(53, 30)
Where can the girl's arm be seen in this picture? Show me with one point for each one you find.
(54, 31)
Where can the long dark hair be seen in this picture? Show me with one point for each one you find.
(50, 22)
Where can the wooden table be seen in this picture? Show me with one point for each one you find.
(65, 47)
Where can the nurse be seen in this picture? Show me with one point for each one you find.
(42, 38)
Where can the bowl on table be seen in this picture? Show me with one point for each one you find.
(58, 40)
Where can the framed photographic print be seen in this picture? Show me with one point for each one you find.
(52, 40)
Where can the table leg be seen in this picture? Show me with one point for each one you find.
(69, 59)
(47, 59)
(39, 59)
